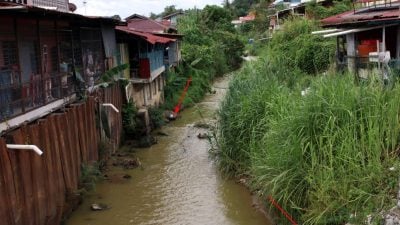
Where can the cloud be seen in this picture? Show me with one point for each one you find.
(124, 8)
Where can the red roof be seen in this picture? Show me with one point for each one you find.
(362, 16)
(145, 24)
(166, 23)
(151, 38)
(247, 18)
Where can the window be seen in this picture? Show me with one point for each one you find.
(92, 54)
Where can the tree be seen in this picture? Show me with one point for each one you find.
(226, 4)
(168, 10)
(116, 17)
(217, 18)
(241, 7)
(154, 16)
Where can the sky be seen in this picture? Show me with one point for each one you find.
(125, 8)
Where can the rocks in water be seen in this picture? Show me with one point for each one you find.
(127, 176)
(203, 125)
(99, 207)
(202, 135)
(118, 178)
(146, 141)
(170, 115)
(243, 181)
(160, 133)
(128, 163)
(393, 217)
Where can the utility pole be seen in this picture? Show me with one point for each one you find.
(84, 5)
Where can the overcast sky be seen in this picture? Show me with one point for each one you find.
(125, 8)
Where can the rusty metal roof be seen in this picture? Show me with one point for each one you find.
(12, 8)
(149, 37)
(147, 25)
(378, 15)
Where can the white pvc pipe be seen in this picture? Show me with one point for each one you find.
(356, 30)
(326, 31)
(112, 106)
(26, 147)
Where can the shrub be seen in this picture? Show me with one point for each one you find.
(156, 117)
(129, 112)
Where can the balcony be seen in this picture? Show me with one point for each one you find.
(146, 71)
(15, 1)
(20, 98)
(365, 68)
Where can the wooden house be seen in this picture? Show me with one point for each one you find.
(145, 54)
(367, 38)
(46, 57)
(150, 48)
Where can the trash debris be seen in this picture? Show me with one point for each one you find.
(99, 207)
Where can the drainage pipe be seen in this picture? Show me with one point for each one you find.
(112, 106)
(26, 147)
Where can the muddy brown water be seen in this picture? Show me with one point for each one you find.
(179, 183)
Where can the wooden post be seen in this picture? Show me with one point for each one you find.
(398, 43)
(351, 52)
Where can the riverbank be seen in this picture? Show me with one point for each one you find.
(322, 145)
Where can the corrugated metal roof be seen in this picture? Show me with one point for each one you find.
(151, 38)
(166, 23)
(365, 15)
(147, 25)
(173, 14)
(44, 11)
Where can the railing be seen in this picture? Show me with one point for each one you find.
(365, 68)
(16, 1)
(17, 98)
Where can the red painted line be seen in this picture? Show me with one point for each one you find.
(286, 214)
(177, 108)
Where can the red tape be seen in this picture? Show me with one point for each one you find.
(286, 214)
(177, 108)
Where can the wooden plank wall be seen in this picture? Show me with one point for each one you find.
(33, 188)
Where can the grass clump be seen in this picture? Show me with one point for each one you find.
(156, 117)
(129, 112)
(90, 174)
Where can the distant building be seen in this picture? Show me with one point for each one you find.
(367, 38)
(151, 48)
(46, 56)
(59, 5)
(172, 19)
(244, 19)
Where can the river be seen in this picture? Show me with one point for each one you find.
(179, 183)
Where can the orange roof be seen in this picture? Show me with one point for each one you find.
(151, 38)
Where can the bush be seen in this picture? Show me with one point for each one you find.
(156, 117)
(129, 112)
(318, 11)
(211, 48)
(295, 47)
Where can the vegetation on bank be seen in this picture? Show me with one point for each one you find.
(325, 147)
(211, 47)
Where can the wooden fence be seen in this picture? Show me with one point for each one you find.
(33, 189)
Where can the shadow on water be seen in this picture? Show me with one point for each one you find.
(179, 183)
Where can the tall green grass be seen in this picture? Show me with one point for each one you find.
(324, 156)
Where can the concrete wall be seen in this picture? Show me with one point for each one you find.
(149, 94)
